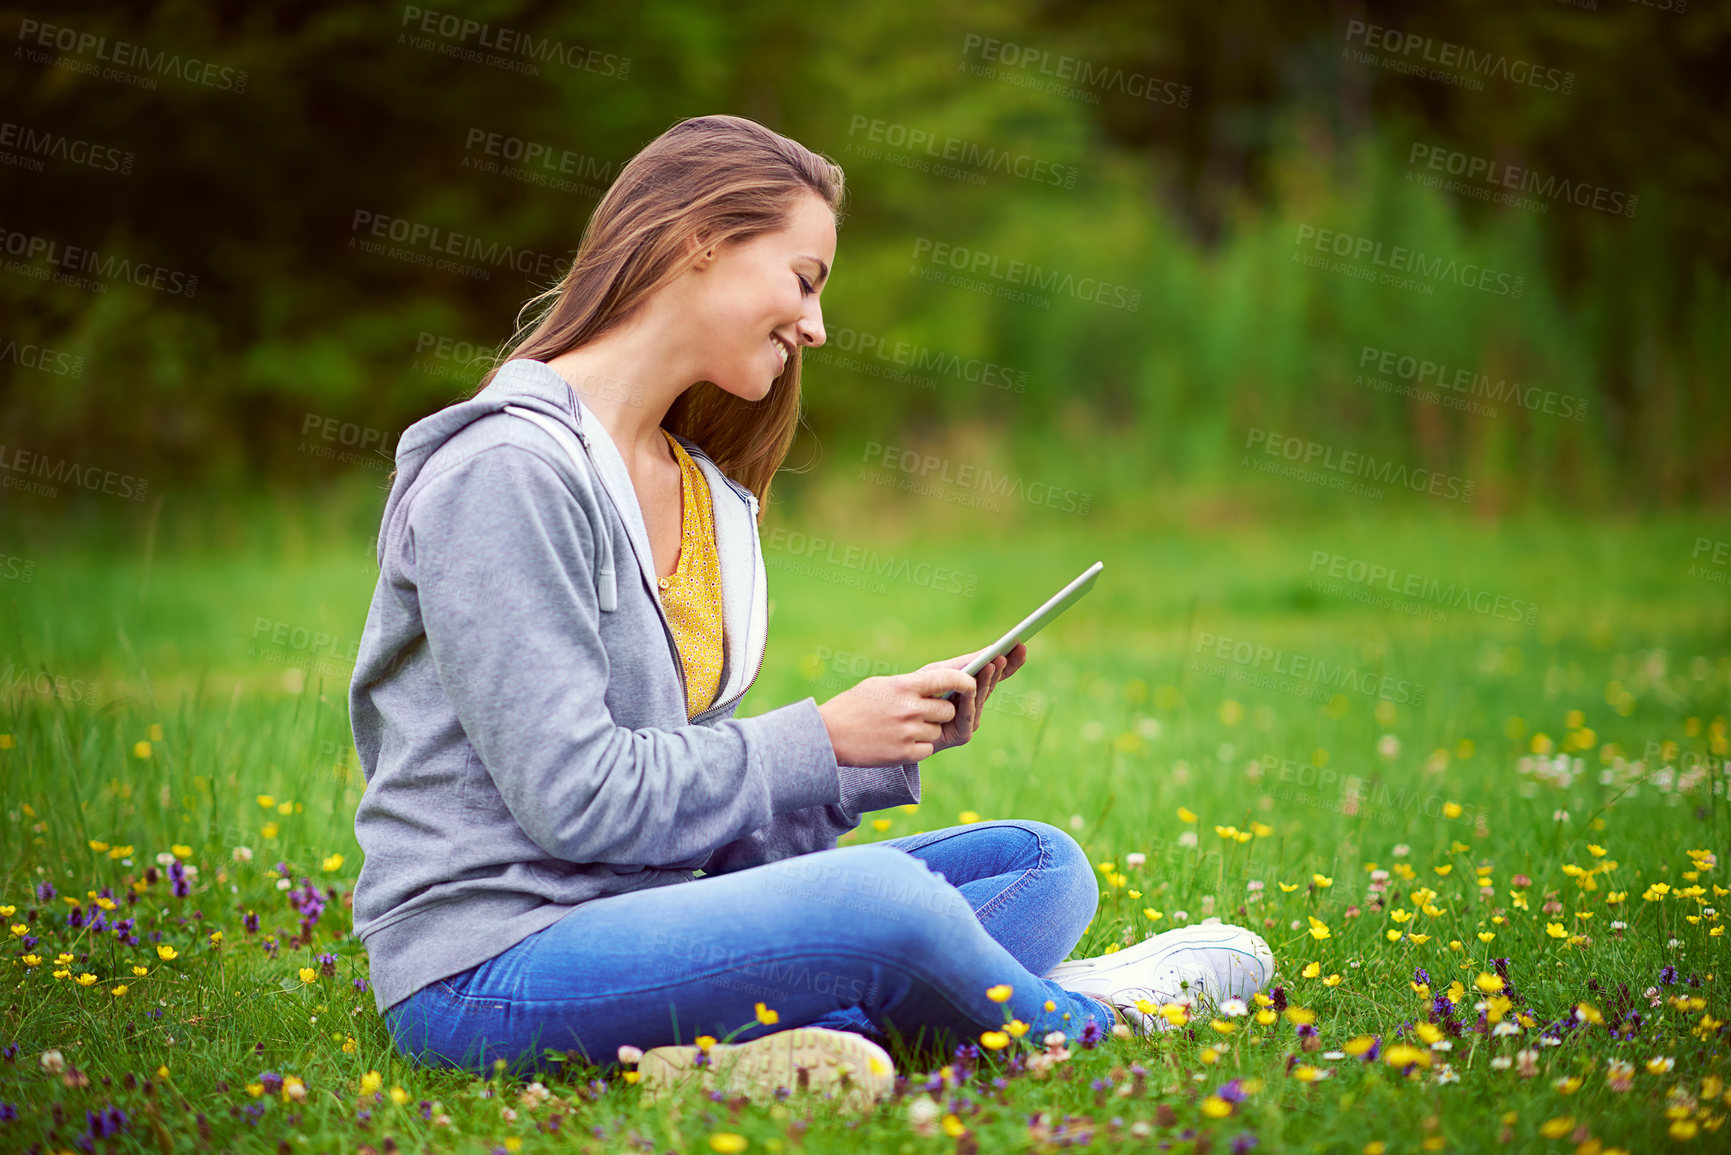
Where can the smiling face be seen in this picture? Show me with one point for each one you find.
(757, 301)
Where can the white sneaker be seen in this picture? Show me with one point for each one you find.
(1204, 964)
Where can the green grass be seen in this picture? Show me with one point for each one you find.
(1117, 722)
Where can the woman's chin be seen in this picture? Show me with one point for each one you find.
(754, 389)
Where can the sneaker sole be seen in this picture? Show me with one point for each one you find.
(850, 1068)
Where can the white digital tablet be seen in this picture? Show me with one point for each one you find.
(1036, 621)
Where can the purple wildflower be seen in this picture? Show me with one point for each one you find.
(1278, 997)
(1232, 1091)
(1421, 976)
(1091, 1033)
(1668, 975)
(310, 904)
(250, 922)
(45, 892)
(7, 1112)
(360, 984)
(272, 1082)
(328, 965)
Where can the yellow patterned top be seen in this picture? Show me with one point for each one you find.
(691, 594)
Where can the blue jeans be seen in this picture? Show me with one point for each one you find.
(895, 940)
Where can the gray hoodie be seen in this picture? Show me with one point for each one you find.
(518, 702)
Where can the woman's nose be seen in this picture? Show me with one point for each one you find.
(811, 327)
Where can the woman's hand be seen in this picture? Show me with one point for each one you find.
(896, 718)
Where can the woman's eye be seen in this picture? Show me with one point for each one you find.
(804, 285)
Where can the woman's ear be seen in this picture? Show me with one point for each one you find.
(700, 250)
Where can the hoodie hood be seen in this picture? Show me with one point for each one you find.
(535, 390)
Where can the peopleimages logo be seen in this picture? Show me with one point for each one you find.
(923, 145)
(856, 350)
(33, 145)
(920, 470)
(1353, 464)
(977, 262)
(869, 563)
(1453, 379)
(1314, 674)
(42, 358)
(502, 43)
(90, 52)
(439, 243)
(1517, 178)
(1379, 577)
(1399, 259)
(1410, 52)
(1074, 69)
(19, 466)
(69, 264)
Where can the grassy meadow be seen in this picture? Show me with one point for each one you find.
(1484, 831)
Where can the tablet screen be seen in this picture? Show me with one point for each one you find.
(1036, 621)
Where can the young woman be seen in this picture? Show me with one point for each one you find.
(572, 843)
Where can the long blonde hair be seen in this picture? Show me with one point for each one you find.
(714, 178)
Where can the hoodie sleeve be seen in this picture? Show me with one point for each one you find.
(527, 677)
(864, 788)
